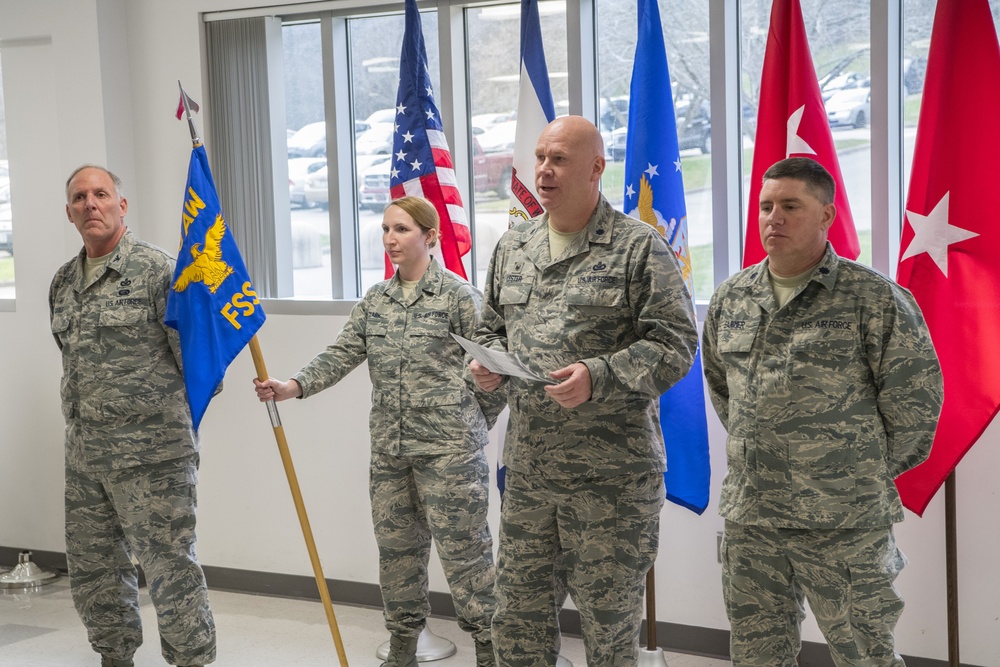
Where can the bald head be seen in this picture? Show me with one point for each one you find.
(580, 132)
(569, 162)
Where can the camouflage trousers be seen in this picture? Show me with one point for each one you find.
(148, 511)
(445, 497)
(606, 531)
(846, 575)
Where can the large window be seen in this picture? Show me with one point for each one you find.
(306, 135)
(373, 50)
(341, 71)
(6, 218)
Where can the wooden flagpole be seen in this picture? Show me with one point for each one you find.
(651, 610)
(300, 509)
(286, 460)
(951, 567)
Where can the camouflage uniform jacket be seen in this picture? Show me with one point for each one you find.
(826, 400)
(122, 389)
(423, 398)
(614, 301)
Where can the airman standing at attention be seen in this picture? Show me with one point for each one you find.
(131, 450)
(824, 375)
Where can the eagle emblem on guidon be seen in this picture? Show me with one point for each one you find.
(644, 211)
(207, 266)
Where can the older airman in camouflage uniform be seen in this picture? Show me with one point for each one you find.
(607, 314)
(429, 476)
(824, 375)
(131, 451)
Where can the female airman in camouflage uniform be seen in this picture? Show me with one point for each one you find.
(429, 475)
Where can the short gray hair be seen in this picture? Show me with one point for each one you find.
(119, 190)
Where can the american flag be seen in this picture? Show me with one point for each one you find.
(421, 162)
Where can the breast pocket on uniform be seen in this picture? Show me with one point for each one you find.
(119, 327)
(737, 339)
(827, 353)
(515, 292)
(376, 329)
(599, 300)
(430, 325)
(122, 317)
(60, 327)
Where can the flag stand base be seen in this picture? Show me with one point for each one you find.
(654, 658)
(430, 647)
(27, 575)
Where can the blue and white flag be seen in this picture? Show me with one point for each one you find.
(654, 193)
(211, 303)
(535, 110)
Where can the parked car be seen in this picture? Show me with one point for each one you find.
(299, 169)
(6, 223)
(491, 172)
(849, 108)
(484, 121)
(316, 189)
(310, 141)
(845, 81)
(692, 132)
(382, 116)
(372, 145)
(499, 138)
(914, 70)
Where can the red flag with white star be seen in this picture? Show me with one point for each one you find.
(792, 122)
(951, 237)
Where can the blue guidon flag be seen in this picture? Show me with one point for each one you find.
(212, 302)
(654, 193)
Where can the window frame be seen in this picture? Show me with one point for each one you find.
(582, 26)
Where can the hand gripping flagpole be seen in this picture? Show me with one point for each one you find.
(300, 508)
(286, 460)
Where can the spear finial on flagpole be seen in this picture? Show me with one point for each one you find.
(186, 105)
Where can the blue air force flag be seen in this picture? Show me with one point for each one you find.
(212, 303)
(654, 193)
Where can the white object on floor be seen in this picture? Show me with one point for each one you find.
(430, 647)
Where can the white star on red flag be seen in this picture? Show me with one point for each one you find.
(794, 144)
(932, 234)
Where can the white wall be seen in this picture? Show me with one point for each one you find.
(100, 86)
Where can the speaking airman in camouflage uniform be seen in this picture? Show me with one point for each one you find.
(824, 375)
(131, 451)
(429, 476)
(609, 315)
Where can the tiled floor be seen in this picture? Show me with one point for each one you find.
(41, 629)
